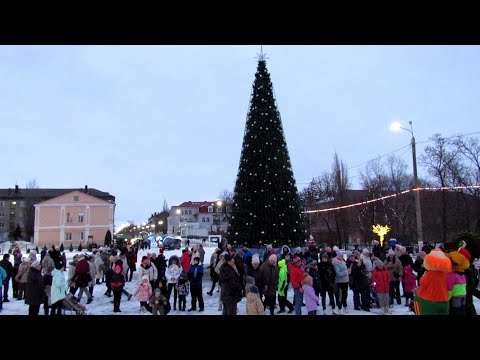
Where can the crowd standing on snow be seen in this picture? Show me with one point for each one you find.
(437, 282)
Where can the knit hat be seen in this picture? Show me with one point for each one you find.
(161, 251)
(365, 251)
(36, 265)
(111, 258)
(118, 268)
(157, 291)
(250, 279)
(196, 258)
(255, 259)
(32, 255)
(272, 257)
(296, 259)
(326, 255)
(339, 253)
(58, 265)
(227, 257)
(254, 289)
(390, 252)
(379, 264)
(465, 253)
(144, 277)
(298, 249)
(335, 248)
(422, 254)
(313, 263)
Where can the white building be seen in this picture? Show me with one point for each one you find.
(197, 219)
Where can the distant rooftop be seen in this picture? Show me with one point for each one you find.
(19, 193)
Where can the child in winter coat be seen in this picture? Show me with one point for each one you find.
(158, 302)
(381, 281)
(183, 288)
(409, 284)
(144, 292)
(117, 282)
(311, 300)
(254, 303)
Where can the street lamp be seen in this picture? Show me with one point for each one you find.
(396, 126)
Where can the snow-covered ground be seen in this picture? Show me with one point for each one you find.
(102, 305)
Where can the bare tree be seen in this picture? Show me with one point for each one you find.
(442, 163)
(340, 186)
(29, 210)
(165, 208)
(226, 197)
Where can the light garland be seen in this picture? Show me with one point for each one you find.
(394, 195)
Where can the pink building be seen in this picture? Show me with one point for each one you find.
(75, 217)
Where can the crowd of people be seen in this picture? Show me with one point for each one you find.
(378, 277)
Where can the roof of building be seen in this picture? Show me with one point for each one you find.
(44, 194)
(196, 204)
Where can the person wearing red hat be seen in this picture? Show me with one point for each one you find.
(117, 282)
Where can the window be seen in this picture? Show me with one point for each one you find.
(12, 225)
(22, 203)
(12, 215)
(208, 219)
(219, 209)
(80, 236)
(2, 225)
(69, 218)
(210, 209)
(190, 212)
(2, 214)
(80, 217)
(68, 236)
(203, 219)
(75, 198)
(2, 203)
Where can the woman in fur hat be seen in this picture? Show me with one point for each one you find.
(35, 289)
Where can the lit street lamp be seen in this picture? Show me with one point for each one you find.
(396, 126)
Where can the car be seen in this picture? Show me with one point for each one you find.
(170, 243)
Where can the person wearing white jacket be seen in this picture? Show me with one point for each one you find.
(172, 273)
(59, 287)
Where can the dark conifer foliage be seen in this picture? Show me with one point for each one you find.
(266, 207)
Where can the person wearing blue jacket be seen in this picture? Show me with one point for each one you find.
(195, 275)
(3, 276)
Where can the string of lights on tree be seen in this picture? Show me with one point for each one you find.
(383, 198)
(266, 207)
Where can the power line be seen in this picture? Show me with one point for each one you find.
(301, 181)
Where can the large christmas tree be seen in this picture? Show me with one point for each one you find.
(266, 206)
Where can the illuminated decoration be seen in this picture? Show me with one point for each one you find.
(394, 195)
(380, 231)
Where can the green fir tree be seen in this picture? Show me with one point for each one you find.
(266, 206)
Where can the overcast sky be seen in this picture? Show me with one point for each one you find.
(154, 123)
